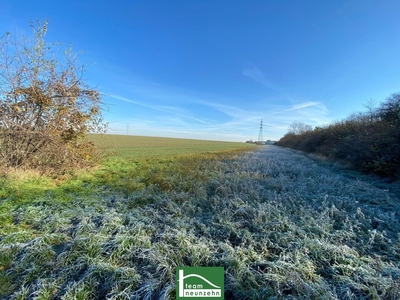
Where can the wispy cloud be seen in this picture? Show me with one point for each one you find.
(276, 119)
(308, 104)
(310, 112)
(168, 109)
(257, 75)
(216, 117)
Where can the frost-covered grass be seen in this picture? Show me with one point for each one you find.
(282, 226)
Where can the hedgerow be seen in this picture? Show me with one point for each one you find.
(369, 141)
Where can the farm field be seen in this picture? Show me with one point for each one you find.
(137, 147)
(282, 225)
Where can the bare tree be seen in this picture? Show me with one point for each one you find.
(389, 110)
(297, 127)
(371, 111)
(46, 110)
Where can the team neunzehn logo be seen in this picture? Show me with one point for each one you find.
(200, 282)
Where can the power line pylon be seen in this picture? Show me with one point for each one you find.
(260, 135)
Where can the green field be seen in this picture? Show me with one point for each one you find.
(138, 147)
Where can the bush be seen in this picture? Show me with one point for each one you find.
(45, 108)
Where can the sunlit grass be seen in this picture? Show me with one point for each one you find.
(139, 147)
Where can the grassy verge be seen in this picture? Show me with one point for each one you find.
(130, 164)
(36, 212)
(281, 225)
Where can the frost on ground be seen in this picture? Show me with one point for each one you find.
(282, 225)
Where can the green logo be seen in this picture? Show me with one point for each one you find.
(200, 282)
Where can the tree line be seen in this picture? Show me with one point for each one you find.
(369, 140)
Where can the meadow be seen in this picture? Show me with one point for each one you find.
(282, 225)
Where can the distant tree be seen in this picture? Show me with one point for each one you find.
(297, 127)
(46, 109)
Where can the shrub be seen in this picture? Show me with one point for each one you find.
(46, 109)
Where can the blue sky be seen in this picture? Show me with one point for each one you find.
(214, 69)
